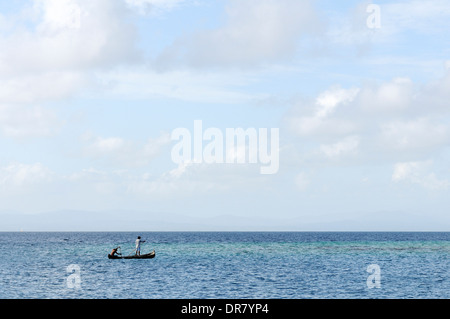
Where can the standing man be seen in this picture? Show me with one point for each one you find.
(138, 245)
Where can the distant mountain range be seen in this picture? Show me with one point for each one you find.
(150, 221)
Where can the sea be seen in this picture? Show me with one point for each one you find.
(226, 265)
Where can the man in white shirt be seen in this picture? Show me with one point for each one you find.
(138, 245)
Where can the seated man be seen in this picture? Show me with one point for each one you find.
(115, 252)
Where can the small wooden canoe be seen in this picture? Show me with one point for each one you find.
(146, 256)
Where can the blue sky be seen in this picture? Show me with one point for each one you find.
(91, 90)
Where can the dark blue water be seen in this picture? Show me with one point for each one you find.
(225, 265)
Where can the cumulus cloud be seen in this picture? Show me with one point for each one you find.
(151, 6)
(419, 134)
(117, 150)
(35, 88)
(434, 97)
(50, 54)
(348, 145)
(387, 97)
(19, 175)
(255, 32)
(172, 183)
(397, 19)
(418, 173)
(397, 117)
(323, 120)
(18, 121)
(327, 101)
(68, 35)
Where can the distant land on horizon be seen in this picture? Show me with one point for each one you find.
(147, 221)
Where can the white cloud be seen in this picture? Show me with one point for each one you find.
(103, 146)
(418, 173)
(447, 65)
(204, 87)
(96, 182)
(417, 15)
(35, 88)
(397, 118)
(392, 96)
(68, 35)
(116, 150)
(314, 127)
(180, 182)
(348, 145)
(60, 14)
(190, 179)
(18, 121)
(414, 135)
(398, 18)
(149, 6)
(180, 170)
(351, 28)
(435, 95)
(327, 101)
(18, 175)
(50, 53)
(302, 181)
(23, 112)
(323, 120)
(255, 32)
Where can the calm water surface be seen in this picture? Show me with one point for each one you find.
(225, 265)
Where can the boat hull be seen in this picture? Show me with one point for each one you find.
(146, 256)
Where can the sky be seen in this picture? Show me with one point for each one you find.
(91, 91)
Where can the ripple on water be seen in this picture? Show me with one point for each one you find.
(227, 265)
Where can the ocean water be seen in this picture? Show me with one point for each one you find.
(226, 265)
